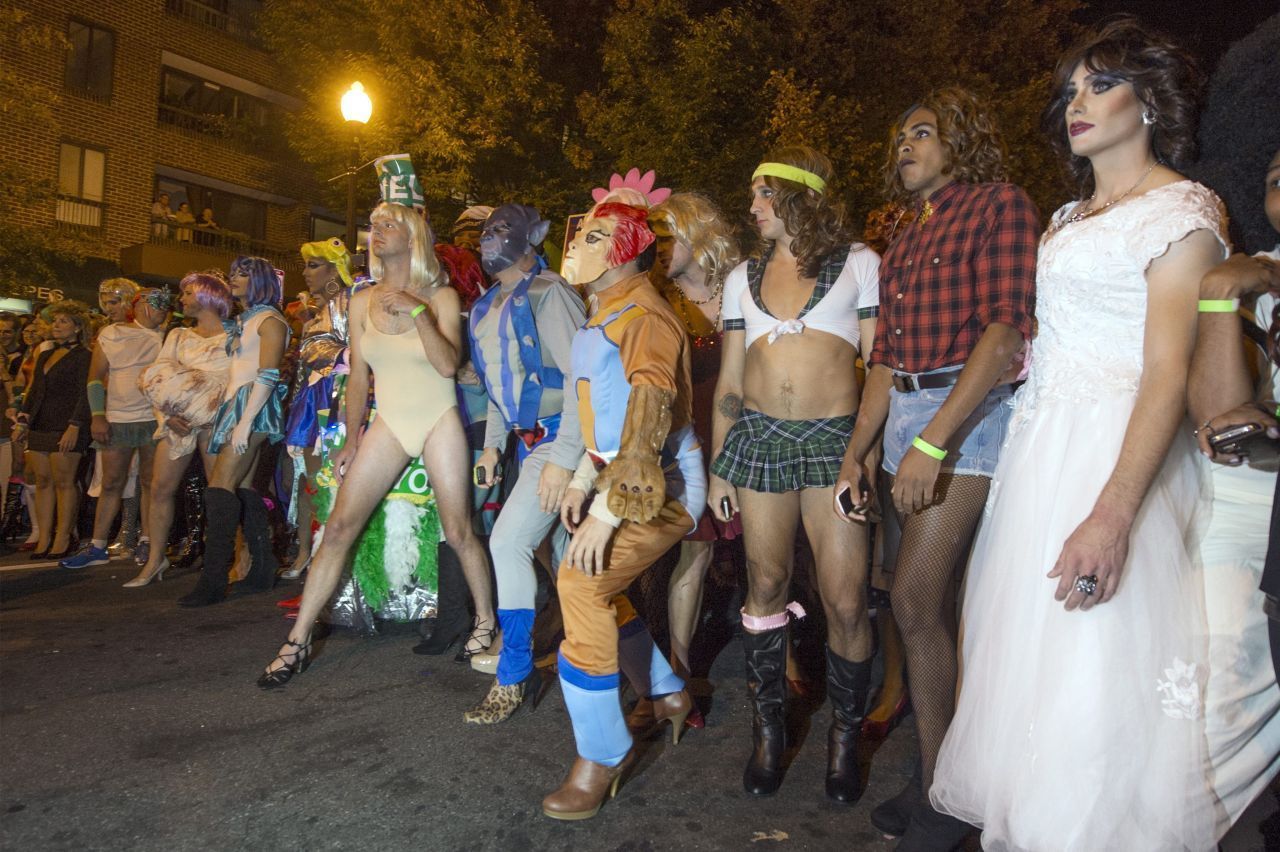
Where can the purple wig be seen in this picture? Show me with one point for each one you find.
(265, 284)
(212, 293)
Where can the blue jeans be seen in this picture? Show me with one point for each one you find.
(975, 447)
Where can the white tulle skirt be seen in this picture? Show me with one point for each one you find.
(1081, 731)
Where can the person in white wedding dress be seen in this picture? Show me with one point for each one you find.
(1083, 656)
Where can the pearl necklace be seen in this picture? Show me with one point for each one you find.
(1083, 212)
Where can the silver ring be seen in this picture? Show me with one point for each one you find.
(1087, 584)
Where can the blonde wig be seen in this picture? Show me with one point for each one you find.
(425, 270)
(693, 220)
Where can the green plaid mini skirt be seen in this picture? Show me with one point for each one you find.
(773, 456)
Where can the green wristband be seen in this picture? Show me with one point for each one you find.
(413, 314)
(928, 449)
(1219, 306)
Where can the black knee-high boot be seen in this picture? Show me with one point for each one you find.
(847, 684)
(187, 549)
(257, 536)
(767, 683)
(222, 508)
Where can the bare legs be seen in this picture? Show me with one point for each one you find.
(67, 494)
(684, 599)
(840, 557)
(115, 473)
(166, 478)
(447, 458)
(306, 510)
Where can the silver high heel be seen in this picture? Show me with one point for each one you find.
(158, 575)
(294, 573)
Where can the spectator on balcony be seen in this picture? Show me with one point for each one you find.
(205, 226)
(184, 217)
(161, 214)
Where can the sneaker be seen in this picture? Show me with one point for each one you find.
(142, 553)
(88, 556)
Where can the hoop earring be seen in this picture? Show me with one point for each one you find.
(332, 287)
(1149, 116)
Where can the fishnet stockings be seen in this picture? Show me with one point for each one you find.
(931, 557)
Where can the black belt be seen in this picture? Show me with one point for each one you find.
(908, 382)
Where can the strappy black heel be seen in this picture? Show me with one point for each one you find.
(294, 663)
(484, 638)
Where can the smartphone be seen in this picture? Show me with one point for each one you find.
(845, 501)
(1248, 440)
(477, 475)
(726, 508)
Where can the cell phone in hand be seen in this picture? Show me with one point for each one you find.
(726, 508)
(1248, 440)
(845, 501)
(478, 475)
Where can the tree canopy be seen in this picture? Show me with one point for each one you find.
(538, 101)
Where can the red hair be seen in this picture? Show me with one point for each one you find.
(631, 234)
(465, 274)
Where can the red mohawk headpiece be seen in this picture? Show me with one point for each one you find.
(631, 234)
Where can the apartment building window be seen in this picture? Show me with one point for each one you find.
(90, 60)
(81, 182)
(235, 17)
(239, 220)
(213, 109)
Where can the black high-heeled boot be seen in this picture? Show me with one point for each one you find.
(453, 620)
(767, 683)
(188, 548)
(847, 684)
(893, 815)
(257, 537)
(223, 509)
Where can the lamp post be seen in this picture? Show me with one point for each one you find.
(356, 109)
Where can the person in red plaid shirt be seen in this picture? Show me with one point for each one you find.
(957, 293)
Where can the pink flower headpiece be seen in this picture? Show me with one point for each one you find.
(634, 189)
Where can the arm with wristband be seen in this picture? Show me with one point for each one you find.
(1220, 392)
(1004, 267)
(96, 391)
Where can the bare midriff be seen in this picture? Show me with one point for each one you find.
(804, 376)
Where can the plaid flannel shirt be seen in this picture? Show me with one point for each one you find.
(971, 264)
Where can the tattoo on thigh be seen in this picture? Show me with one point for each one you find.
(731, 406)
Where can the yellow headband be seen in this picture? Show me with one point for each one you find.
(791, 173)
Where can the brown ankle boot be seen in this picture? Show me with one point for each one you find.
(584, 791)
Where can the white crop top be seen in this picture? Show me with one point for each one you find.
(848, 290)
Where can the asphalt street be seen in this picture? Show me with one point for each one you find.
(127, 722)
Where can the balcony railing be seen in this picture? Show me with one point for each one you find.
(237, 20)
(240, 132)
(217, 243)
(79, 212)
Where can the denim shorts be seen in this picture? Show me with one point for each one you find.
(975, 447)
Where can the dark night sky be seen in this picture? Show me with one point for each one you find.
(1205, 27)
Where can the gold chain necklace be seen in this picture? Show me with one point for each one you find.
(685, 299)
(1083, 212)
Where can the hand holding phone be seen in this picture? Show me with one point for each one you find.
(1246, 441)
(478, 475)
(726, 508)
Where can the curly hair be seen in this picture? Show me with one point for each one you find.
(1239, 133)
(816, 222)
(694, 220)
(78, 313)
(975, 150)
(1163, 76)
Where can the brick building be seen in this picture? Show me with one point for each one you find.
(166, 97)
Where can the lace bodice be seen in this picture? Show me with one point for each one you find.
(1091, 292)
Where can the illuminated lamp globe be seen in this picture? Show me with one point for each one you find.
(356, 105)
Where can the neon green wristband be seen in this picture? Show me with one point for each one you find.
(928, 449)
(1219, 306)
(413, 314)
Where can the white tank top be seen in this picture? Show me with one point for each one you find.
(245, 359)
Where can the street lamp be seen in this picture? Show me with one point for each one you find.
(356, 109)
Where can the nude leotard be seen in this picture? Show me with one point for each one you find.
(409, 393)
